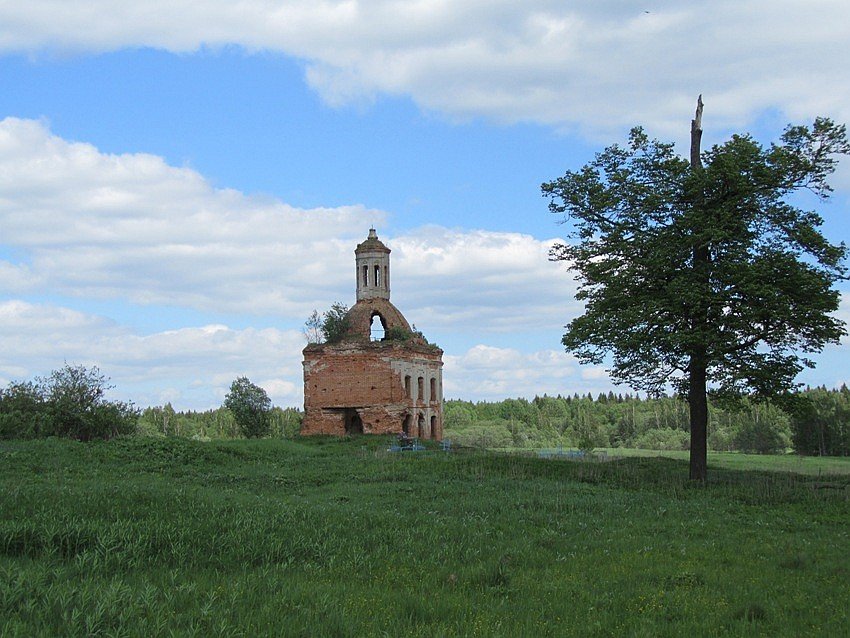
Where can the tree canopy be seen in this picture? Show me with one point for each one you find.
(250, 406)
(703, 274)
(328, 327)
(71, 402)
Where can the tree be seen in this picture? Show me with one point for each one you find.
(250, 406)
(71, 402)
(23, 411)
(335, 323)
(703, 273)
(313, 328)
(78, 408)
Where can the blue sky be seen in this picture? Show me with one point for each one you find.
(181, 184)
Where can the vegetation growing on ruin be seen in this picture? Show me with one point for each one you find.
(320, 537)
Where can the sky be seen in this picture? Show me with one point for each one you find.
(183, 182)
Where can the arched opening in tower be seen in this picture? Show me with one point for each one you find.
(378, 328)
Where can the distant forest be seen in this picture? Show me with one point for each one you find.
(821, 425)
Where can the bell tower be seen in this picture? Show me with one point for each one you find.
(372, 260)
(371, 379)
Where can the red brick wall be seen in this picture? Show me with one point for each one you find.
(361, 376)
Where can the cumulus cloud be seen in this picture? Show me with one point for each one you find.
(489, 373)
(481, 280)
(843, 313)
(590, 65)
(191, 367)
(132, 228)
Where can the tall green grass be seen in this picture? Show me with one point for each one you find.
(325, 537)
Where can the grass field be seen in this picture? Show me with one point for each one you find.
(150, 537)
(812, 465)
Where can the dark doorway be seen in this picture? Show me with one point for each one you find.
(421, 427)
(353, 422)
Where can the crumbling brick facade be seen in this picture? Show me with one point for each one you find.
(380, 377)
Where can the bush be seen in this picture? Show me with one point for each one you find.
(721, 439)
(663, 439)
(23, 411)
(70, 403)
(335, 323)
(484, 434)
(763, 437)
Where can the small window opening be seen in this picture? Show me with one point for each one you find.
(377, 276)
(365, 275)
(353, 422)
(433, 396)
(386, 277)
(377, 329)
(407, 388)
(421, 388)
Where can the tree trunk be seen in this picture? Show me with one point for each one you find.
(696, 136)
(697, 399)
(698, 403)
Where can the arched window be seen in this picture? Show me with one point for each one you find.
(421, 426)
(433, 427)
(377, 329)
(421, 387)
(433, 396)
(407, 389)
(365, 275)
(377, 276)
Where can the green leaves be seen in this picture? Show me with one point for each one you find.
(673, 261)
(250, 406)
(335, 323)
(70, 402)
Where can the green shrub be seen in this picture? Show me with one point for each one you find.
(69, 403)
(663, 439)
(397, 333)
(335, 323)
(23, 411)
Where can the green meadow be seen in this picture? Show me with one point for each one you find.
(322, 537)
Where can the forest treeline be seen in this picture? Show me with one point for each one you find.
(219, 423)
(819, 426)
(71, 402)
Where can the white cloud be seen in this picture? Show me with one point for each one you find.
(843, 313)
(132, 228)
(191, 367)
(488, 373)
(587, 65)
(481, 280)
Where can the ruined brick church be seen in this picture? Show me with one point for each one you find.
(380, 377)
